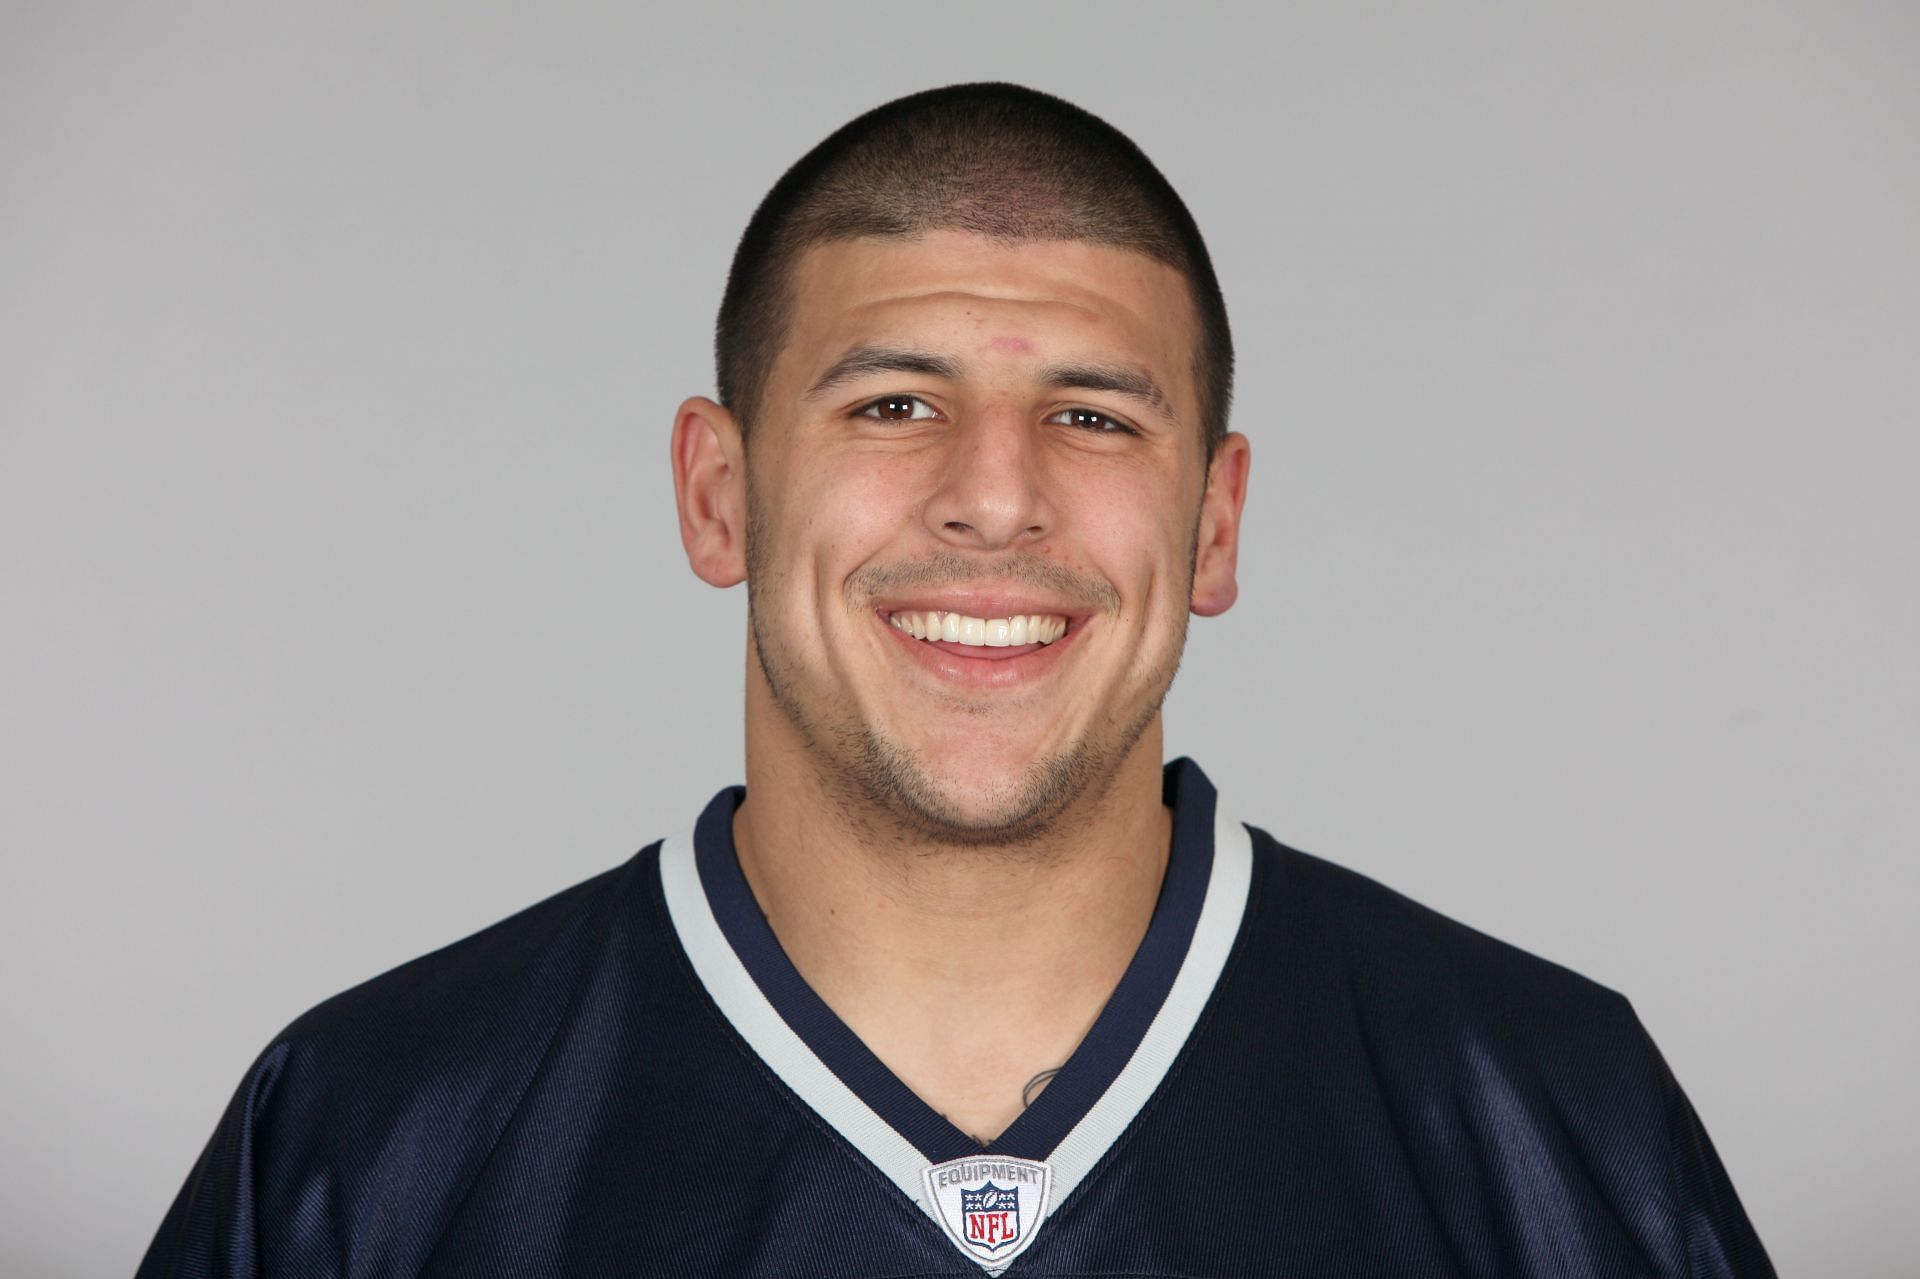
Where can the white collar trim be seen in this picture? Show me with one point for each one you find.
(787, 1055)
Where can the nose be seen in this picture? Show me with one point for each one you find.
(992, 495)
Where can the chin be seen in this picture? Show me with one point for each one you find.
(997, 800)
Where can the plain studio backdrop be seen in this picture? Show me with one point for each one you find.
(345, 612)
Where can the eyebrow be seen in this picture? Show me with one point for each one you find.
(862, 361)
(1115, 379)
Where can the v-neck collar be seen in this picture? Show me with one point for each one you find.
(1117, 1066)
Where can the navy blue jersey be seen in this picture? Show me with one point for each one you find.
(1301, 1074)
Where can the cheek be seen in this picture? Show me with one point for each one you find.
(1133, 531)
(834, 517)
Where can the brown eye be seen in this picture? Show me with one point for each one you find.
(897, 408)
(1092, 420)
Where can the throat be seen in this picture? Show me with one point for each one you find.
(971, 979)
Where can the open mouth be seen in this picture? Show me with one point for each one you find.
(1022, 630)
(1000, 651)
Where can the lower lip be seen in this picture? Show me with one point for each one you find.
(982, 667)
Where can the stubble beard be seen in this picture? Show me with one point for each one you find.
(883, 789)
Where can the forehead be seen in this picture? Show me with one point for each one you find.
(956, 290)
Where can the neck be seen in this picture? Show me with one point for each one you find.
(904, 937)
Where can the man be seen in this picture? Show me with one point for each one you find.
(963, 979)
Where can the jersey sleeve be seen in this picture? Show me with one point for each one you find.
(1720, 1241)
(212, 1231)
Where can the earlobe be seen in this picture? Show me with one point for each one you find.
(709, 488)
(1217, 551)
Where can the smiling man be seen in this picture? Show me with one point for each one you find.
(964, 979)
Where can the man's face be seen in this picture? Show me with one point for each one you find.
(966, 441)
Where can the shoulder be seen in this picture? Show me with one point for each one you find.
(469, 1003)
(503, 973)
(1431, 993)
(442, 1047)
(1449, 1041)
(381, 1104)
(458, 1028)
(1377, 931)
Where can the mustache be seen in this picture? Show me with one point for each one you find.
(945, 568)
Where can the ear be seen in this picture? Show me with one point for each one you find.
(1217, 548)
(710, 488)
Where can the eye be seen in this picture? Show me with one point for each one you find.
(898, 408)
(1092, 420)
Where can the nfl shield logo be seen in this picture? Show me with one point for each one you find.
(991, 1215)
(991, 1206)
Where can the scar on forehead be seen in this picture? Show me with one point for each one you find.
(1011, 345)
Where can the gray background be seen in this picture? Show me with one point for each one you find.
(345, 611)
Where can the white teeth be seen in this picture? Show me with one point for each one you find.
(982, 632)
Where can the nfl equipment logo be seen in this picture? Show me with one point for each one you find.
(990, 1205)
(992, 1216)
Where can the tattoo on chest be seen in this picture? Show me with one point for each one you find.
(1034, 1085)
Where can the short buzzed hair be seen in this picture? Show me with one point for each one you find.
(997, 159)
